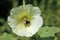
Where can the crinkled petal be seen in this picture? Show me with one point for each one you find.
(16, 11)
(19, 30)
(29, 8)
(37, 10)
(12, 22)
(33, 10)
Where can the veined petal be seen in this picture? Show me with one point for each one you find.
(19, 30)
(12, 22)
(33, 10)
(16, 11)
(36, 23)
(37, 10)
(28, 9)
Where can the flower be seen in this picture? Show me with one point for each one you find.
(25, 21)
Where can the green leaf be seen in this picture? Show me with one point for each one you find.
(48, 31)
(6, 36)
(55, 38)
(47, 38)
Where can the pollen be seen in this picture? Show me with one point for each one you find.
(26, 21)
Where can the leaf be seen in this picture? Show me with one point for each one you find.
(47, 38)
(48, 31)
(6, 36)
(55, 38)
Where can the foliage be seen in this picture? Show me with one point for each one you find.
(48, 31)
(6, 36)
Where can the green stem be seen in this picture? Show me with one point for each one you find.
(15, 3)
(55, 38)
(35, 2)
(23, 3)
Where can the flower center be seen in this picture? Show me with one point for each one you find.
(25, 18)
(26, 22)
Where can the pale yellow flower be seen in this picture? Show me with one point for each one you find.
(25, 21)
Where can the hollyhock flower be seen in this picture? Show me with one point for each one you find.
(25, 21)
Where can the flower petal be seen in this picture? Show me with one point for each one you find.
(12, 22)
(37, 10)
(29, 8)
(19, 30)
(16, 11)
(35, 24)
(33, 10)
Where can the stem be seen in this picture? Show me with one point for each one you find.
(15, 3)
(23, 3)
(35, 2)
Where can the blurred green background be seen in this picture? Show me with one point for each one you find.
(50, 14)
